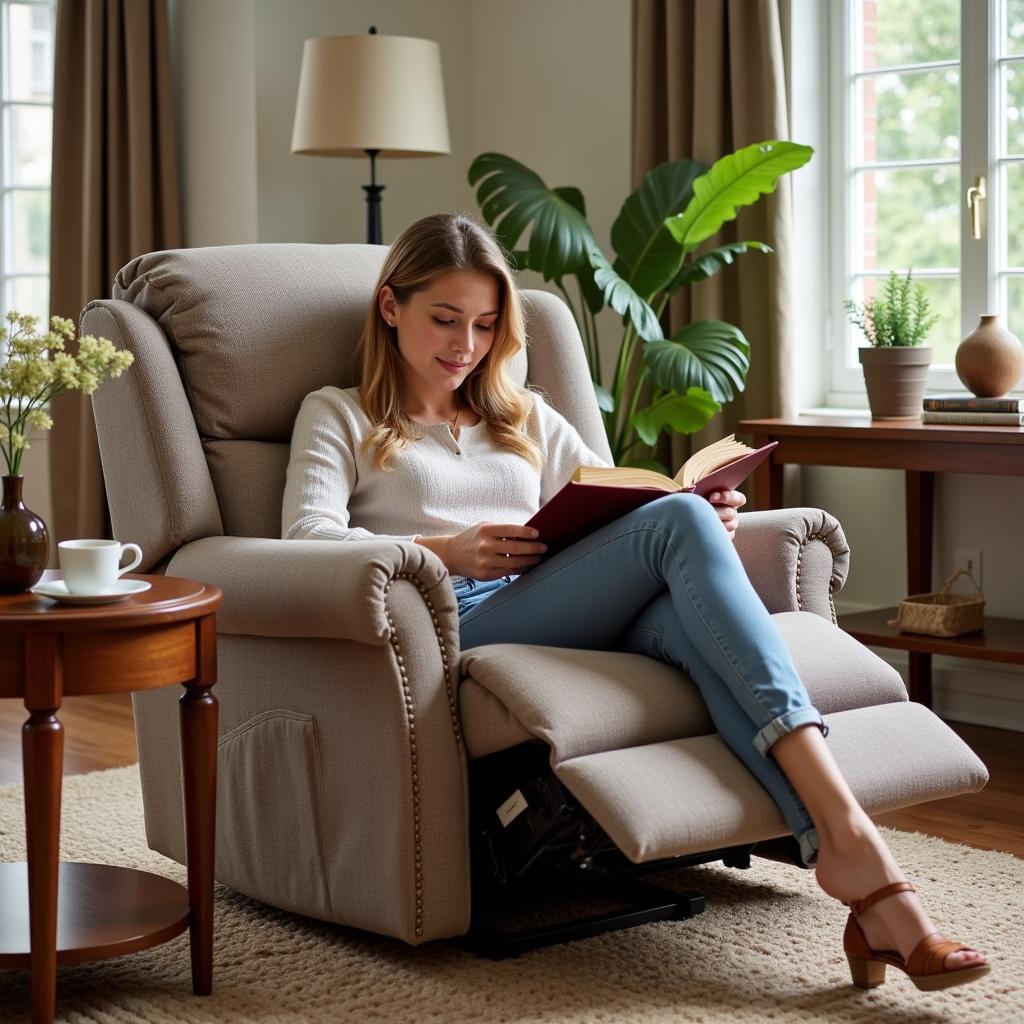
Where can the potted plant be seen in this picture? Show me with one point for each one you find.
(658, 383)
(35, 369)
(895, 360)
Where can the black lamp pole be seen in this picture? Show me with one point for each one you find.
(373, 191)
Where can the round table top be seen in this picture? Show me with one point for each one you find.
(169, 599)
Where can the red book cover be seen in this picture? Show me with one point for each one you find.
(578, 509)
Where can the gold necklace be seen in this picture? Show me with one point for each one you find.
(453, 424)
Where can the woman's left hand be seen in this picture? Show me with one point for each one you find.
(726, 504)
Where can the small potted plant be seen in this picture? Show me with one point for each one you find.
(895, 360)
(35, 369)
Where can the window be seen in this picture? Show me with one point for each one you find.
(928, 102)
(26, 62)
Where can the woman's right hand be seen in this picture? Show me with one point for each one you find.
(488, 551)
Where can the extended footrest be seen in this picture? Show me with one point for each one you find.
(644, 903)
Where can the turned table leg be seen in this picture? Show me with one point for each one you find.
(198, 718)
(42, 747)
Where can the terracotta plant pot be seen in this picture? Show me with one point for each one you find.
(990, 359)
(24, 541)
(896, 377)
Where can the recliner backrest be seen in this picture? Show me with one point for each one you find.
(254, 328)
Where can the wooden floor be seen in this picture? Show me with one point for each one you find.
(98, 733)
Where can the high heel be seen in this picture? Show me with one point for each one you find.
(926, 964)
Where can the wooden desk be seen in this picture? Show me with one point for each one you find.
(56, 913)
(920, 451)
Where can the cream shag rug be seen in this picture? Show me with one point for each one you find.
(767, 948)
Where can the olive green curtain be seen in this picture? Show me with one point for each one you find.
(708, 78)
(115, 196)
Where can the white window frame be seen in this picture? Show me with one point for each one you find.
(6, 187)
(982, 273)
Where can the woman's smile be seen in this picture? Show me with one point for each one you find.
(452, 367)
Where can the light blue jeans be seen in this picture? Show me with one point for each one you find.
(665, 581)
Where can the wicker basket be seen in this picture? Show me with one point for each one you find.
(943, 614)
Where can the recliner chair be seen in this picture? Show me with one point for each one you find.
(350, 720)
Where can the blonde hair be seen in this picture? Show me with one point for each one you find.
(427, 249)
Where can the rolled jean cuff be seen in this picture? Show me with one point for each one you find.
(808, 847)
(785, 724)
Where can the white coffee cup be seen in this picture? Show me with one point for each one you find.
(93, 566)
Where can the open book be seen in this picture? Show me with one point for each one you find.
(597, 495)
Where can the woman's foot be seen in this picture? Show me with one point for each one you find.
(856, 862)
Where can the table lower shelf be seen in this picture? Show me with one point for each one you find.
(1001, 640)
(102, 911)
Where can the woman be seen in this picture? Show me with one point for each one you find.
(438, 446)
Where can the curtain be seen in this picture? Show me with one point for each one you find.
(708, 78)
(114, 196)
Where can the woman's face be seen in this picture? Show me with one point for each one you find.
(444, 330)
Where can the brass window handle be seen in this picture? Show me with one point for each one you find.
(975, 197)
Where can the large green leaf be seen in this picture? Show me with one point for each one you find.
(709, 354)
(700, 268)
(592, 295)
(513, 198)
(736, 180)
(619, 294)
(647, 253)
(683, 413)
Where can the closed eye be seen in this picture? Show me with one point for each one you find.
(448, 323)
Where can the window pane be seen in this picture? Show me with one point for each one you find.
(909, 32)
(911, 116)
(1014, 26)
(1013, 104)
(27, 222)
(1014, 214)
(909, 218)
(29, 295)
(29, 52)
(1015, 306)
(29, 136)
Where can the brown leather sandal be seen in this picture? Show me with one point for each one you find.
(925, 965)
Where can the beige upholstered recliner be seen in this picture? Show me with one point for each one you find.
(348, 712)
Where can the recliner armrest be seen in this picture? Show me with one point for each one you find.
(312, 588)
(796, 558)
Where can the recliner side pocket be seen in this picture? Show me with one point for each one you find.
(270, 842)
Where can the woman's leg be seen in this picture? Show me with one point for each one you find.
(709, 620)
(655, 632)
(853, 859)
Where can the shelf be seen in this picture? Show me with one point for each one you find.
(1001, 640)
(102, 911)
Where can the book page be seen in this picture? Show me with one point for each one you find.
(624, 476)
(708, 459)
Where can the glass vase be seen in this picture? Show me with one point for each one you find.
(24, 540)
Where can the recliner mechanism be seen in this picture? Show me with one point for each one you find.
(531, 843)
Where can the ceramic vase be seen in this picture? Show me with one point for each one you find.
(896, 377)
(990, 360)
(24, 541)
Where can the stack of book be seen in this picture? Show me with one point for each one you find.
(1007, 411)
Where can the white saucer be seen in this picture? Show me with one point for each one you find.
(120, 591)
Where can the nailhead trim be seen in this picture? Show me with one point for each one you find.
(410, 717)
(824, 537)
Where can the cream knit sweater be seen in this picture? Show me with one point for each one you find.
(437, 486)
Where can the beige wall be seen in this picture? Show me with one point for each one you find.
(214, 60)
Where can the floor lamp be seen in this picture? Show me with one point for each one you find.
(372, 95)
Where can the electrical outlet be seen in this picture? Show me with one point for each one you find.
(970, 559)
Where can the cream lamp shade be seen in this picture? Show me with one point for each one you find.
(372, 92)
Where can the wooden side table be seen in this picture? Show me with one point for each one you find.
(920, 450)
(72, 913)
